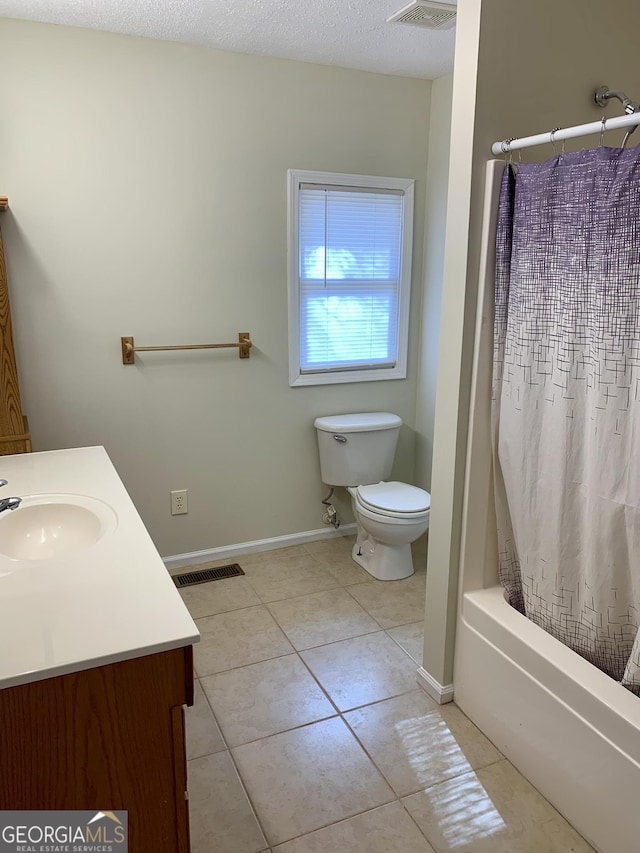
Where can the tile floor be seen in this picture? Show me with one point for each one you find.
(309, 733)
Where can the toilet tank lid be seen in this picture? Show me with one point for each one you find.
(363, 422)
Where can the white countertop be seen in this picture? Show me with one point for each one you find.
(111, 601)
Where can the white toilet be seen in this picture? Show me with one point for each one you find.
(357, 451)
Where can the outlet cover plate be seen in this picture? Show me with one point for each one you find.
(179, 502)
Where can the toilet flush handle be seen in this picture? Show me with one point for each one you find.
(340, 438)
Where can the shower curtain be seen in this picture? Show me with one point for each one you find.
(566, 401)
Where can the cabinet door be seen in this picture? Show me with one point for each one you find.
(105, 738)
(182, 796)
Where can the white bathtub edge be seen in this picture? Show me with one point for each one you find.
(568, 728)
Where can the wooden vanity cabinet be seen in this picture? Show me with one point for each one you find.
(106, 738)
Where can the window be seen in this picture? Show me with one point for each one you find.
(349, 277)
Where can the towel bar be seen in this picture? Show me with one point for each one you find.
(129, 349)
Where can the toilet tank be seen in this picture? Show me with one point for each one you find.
(356, 450)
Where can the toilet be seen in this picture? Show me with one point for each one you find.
(356, 451)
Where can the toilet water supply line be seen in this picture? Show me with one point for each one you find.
(330, 516)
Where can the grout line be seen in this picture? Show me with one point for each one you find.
(414, 821)
(222, 612)
(262, 603)
(291, 728)
(238, 774)
(417, 689)
(321, 645)
(250, 801)
(342, 820)
(251, 663)
(286, 731)
(338, 713)
(370, 757)
(375, 630)
(396, 798)
(252, 809)
(399, 644)
(302, 594)
(363, 607)
(321, 719)
(405, 624)
(202, 675)
(306, 666)
(213, 714)
(357, 637)
(324, 826)
(344, 640)
(227, 750)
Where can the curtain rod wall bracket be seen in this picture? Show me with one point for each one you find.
(603, 95)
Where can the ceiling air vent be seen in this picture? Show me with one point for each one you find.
(424, 13)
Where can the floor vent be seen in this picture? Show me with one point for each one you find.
(205, 575)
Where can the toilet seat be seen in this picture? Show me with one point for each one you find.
(394, 500)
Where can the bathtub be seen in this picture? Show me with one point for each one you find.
(572, 731)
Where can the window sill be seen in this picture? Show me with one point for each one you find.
(343, 376)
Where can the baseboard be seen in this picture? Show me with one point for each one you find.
(441, 693)
(226, 552)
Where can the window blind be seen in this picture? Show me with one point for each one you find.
(350, 249)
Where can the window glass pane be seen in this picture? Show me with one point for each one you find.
(349, 235)
(350, 247)
(348, 327)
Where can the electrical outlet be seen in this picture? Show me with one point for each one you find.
(179, 502)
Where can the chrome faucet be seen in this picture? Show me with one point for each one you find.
(9, 503)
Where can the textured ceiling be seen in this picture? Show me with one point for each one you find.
(349, 33)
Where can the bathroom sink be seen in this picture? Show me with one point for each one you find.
(54, 526)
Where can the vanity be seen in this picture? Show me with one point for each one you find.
(95, 652)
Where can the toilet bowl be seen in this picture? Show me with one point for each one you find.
(357, 452)
(390, 516)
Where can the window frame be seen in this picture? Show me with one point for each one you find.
(295, 177)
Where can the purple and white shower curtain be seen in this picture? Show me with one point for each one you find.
(566, 401)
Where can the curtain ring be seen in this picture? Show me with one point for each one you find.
(626, 136)
(506, 146)
(553, 141)
(603, 127)
(506, 150)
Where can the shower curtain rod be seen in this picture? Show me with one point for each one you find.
(558, 135)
